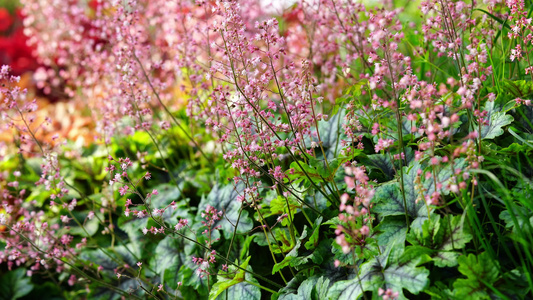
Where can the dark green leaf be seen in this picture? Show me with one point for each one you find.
(168, 259)
(313, 238)
(479, 270)
(380, 162)
(225, 199)
(331, 133)
(15, 284)
(441, 236)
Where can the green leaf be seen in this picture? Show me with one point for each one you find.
(193, 285)
(390, 199)
(133, 227)
(441, 237)
(320, 290)
(497, 120)
(452, 234)
(519, 88)
(168, 259)
(444, 176)
(126, 285)
(439, 291)
(45, 291)
(110, 259)
(391, 232)
(524, 219)
(166, 194)
(390, 202)
(243, 290)
(281, 234)
(224, 283)
(514, 284)
(515, 148)
(15, 284)
(479, 270)
(406, 275)
(313, 288)
(225, 199)
(417, 253)
(372, 276)
(313, 239)
(90, 226)
(278, 207)
(392, 129)
(291, 255)
(328, 170)
(246, 246)
(338, 254)
(331, 133)
(369, 277)
(300, 171)
(323, 251)
(380, 162)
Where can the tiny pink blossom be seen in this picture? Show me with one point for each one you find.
(123, 190)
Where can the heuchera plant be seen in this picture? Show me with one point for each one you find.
(325, 149)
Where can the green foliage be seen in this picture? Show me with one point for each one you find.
(15, 285)
(497, 120)
(313, 288)
(481, 272)
(439, 238)
(450, 213)
(224, 198)
(237, 286)
(168, 258)
(331, 134)
(381, 271)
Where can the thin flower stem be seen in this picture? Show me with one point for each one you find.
(272, 129)
(85, 275)
(260, 286)
(165, 107)
(400, 135)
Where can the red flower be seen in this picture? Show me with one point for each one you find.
(13, 48)
(5, 19)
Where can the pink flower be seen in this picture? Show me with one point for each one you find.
(181, 223)
(72, 280)
(123, 190)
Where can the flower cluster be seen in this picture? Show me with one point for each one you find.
(355, 214)
(327, 105)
